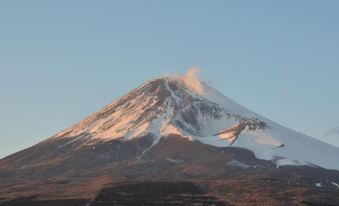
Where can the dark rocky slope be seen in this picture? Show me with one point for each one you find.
(232, 175)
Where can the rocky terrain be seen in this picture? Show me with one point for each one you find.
(233, 176)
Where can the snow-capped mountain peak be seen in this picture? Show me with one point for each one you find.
(185, 106)
(152, 108)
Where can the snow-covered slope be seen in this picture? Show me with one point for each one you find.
(177, 105)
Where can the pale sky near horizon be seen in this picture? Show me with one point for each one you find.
(62, 60)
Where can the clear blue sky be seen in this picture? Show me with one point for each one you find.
(62, 60)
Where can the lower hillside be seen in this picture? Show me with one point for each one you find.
(175, 171)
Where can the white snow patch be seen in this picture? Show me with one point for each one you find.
(335, 184)
(212, 140)
(176, 161)
(283, 162)
(81, 136)
(265, 138)
(139, 131)
(173, 95)
(236, 163)
(318, 184)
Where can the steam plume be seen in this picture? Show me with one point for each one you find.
(191, 80)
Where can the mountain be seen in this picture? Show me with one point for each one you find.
(169, 133)
(168, 106)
